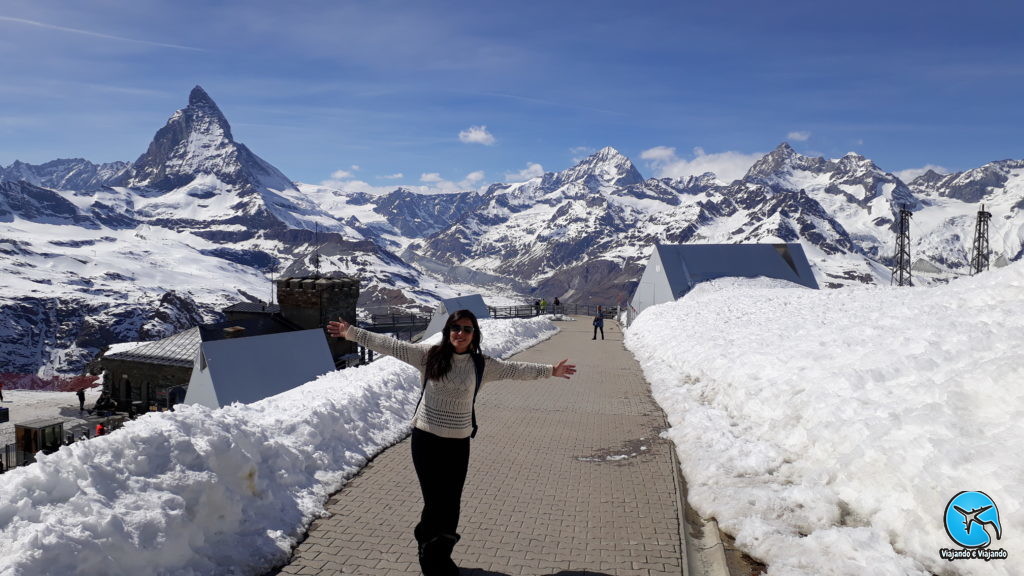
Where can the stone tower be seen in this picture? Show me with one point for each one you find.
(312, 302)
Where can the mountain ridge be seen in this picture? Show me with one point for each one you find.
(201, 217)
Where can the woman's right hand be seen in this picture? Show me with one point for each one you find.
(338, 328)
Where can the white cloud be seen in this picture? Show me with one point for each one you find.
(96, 34)
(800, 136)
(433, 183)
(477, 135)
(532, 170)
(911, 173)
(727, 166)
(579, 153)
(357, 186)
(474, 177)
(659, 154)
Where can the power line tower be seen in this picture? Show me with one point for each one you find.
(901, 269)
(979, 255)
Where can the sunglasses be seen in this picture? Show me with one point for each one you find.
(457, 328)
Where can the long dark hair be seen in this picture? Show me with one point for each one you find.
(439, 358)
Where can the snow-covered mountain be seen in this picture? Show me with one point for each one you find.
(195, 176)
(92, 254)
(71, 174)
(587, 231)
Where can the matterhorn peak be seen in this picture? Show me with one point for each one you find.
(199, 97)
(196, 140)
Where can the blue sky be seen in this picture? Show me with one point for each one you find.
(461, 94)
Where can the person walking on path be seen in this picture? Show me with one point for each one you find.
(452, 373)
(598, 323)
(81, 400)
(1, 391)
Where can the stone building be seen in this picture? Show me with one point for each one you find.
(313, 302)
(148, 374)
(157, 373)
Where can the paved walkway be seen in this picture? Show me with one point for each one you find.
(566, 477)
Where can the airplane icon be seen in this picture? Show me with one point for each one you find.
(972, 517)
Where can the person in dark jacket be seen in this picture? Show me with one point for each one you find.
(81, 399)
(598, 323)
(444, 420)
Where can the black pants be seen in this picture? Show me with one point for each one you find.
(441, 466)
(596, 328)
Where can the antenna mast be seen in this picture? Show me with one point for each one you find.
(901, 270)
(316, 252)
(980, 252)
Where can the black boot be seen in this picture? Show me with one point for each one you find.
(436, 556)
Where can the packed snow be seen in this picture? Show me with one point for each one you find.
(827, 430)
(201, 491)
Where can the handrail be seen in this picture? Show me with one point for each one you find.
(536, 310)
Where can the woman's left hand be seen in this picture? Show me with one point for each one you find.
(563, 370)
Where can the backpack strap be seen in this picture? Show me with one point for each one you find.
(478, 363)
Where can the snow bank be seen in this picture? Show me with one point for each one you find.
(827, 430)
(202, 491)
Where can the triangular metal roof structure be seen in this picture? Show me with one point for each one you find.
(674, 269)
(473, 302)
(256, 367)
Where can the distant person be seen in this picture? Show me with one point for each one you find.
(557, 309)
(452, 373)
(81, 400)
(1, 391)
(104, 404)
(598, 323)
(100, 429)
(543, 305)
(536, 307)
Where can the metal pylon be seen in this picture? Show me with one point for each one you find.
(980, 252)
(901, 269)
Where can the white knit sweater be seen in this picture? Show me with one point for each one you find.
(447, 406)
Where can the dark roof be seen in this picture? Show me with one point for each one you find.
(177, 350)
(688, 264)
(180, 349)
(254, 326)
(40, 423)
(253, 307)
